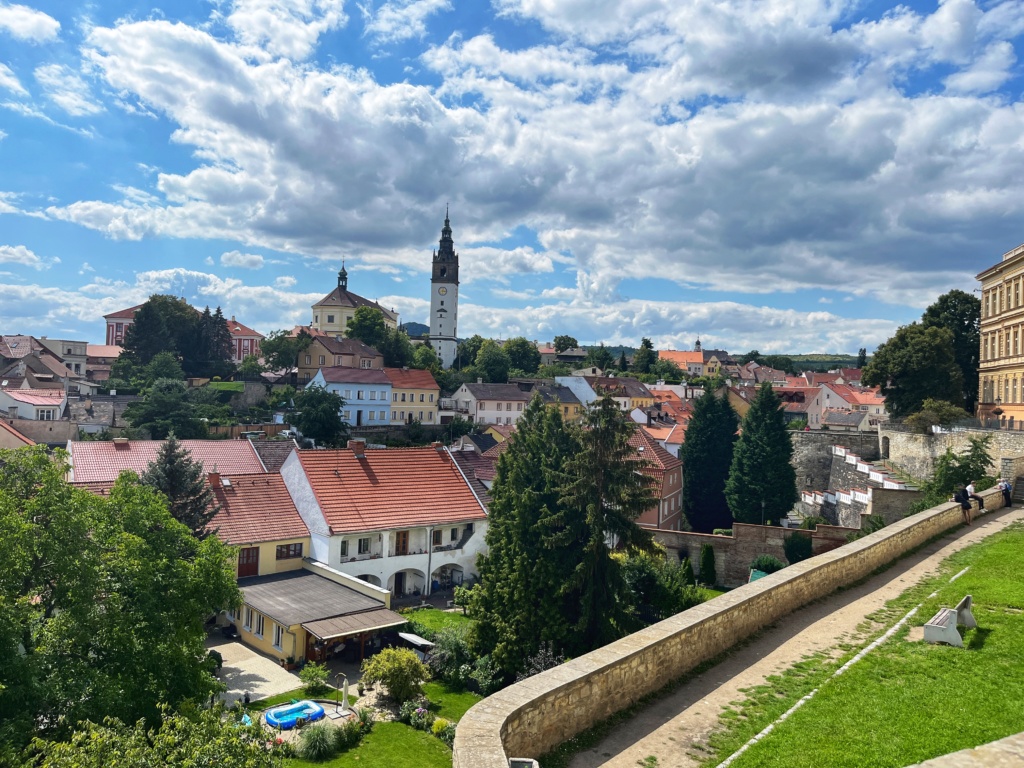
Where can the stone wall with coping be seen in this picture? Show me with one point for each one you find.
(812, 454)
(916, 454)
(1011, 468)
(532, 717)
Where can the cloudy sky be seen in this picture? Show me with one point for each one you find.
(791, 175)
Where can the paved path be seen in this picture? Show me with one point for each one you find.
(668, 728)
(246, 671)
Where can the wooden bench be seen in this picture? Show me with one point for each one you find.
(941, 628)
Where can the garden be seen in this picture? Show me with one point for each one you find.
(906, 701)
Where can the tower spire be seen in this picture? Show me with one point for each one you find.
(343, 277)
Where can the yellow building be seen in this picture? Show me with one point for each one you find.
(415, 396)
(334, 311)
(1001, 375)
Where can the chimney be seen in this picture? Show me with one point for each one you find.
(649, 418)
(121, 443)
(214, 479)
(233, 319)
(358, 448)
(437, 446)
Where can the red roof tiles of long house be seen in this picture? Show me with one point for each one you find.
(255, 508)
(411, 378)
(104, 461)
(49, 397)
(658, 459)
(239, 330)
(388, 488)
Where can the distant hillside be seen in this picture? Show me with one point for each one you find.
(416, 329)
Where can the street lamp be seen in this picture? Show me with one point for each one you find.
(762, 511)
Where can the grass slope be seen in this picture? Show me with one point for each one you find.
(906, 701)
(435, 620)
(389, 745)
(451, 705)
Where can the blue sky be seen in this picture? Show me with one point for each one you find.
(790, 175)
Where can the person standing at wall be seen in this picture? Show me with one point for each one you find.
(1007, 489)
(964, 501)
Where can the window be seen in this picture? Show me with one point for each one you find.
(316, 318)
(346, 415)
(372, 415)
(436, 538)
(403, 397)
(483, 405)
(330, 318)
(421, 397)
(519, 406)
(248, 618)
(431, 397)
(344, 548)
(45, 414)
(323, 360)
(365, 363)
(401, 415)
(309, 359)
(430, 415)
(373, 394)
(289, 551)
(421, 416)
(508, 419)
(508, 406)
(455, 534)
(383, 415)
(394, 415)
(278, 636)
(348, 394)
(359, 394)
(258, 631)
(364, 546)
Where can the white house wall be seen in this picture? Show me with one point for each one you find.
(301, 491)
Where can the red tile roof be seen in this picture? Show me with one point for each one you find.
(411, 378)
(237, 330)
(5, 427)
(496, 450)
(658, 459)
(123, 313)
(103, 350)
(15, 347)
(255, 508)
(104, 461)
(389, 488)
(681, 358)
(50, 397)
(340, 374)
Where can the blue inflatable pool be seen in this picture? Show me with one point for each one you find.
(284, 716)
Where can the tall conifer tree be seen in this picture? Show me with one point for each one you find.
(762, 481)
(182, 480)
(707, 456)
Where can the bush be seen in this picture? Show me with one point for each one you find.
(318, 742)
(421, 719)
(686, 569)
(444, 730)
(707, 565)
(798, 425)
(314, 679)
(364, 716)
(347, 735)
(405, 712)
(397, 669)
(451, 659)
(544, 658)
(812, 522)
(486, 676)
(797, 548)
(767, 564)
(722, 531)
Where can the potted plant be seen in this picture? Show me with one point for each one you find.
(289, 663)
(360, 688)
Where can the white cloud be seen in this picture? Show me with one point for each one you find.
(86, 267)
(67, 89)
(243, 260)
(9, 81)
(19, 254)
(284, 281)
(989, 72)
(287, 28)
(398, 20)
(24, 23)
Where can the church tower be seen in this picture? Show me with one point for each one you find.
(444, 297)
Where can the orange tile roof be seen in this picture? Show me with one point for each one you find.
(858, 395)
(103, 350)
(388, 488)
(505, 430)
(123, 313)
(236, 329)
(255, 508)
(681, 358)
(496, 450)
(411, 378)
(36, 396)
(657, 458)
(5, 427)
(103, 461)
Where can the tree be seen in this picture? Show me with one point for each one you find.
(563, 343)
(623, 364)
(492, 362)
(319, 416)
(201, 737)
(166, 408)
(105, 601)
(467, 350)
(519, 603)
(602, 494)
(164, 365)
(395, 347)
(645, 357)
(397, 669)
(522, 354)
(367, 325)
(667, 370)
(162, 324)
(210, 355)
(182, 481)
(762, 481)
(935, 412)
(281, 349)
(707, 565)
(956, 469)
(917, 363)
(751, 356)
(425, 358)
(862, 357)
(250, 368)
(707, 456)
(599, 357)
(960, 313)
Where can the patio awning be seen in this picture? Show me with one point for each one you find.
(419, 642)
(353, 624)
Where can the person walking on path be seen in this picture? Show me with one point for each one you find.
(964, 501)
(971, 494)
(1007, 489)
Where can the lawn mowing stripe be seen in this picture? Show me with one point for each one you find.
(863, 652)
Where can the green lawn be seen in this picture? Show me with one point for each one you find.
(227, 386)
(390, 745)
(451, 705)
(906, 701)
(435, 620)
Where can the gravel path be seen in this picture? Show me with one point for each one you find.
(668, 728)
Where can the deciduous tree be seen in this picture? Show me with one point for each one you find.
(707, 456)
(166, 408)
(522, 354)
(599, 357)
(762, 481)
(319, 416)
(917, 363)
(367, 325)
(645, 357)
(563, 343)
(467, 350)
(280, 349)
(960, 313)
(492, 363)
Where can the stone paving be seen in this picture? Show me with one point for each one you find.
(246, 670)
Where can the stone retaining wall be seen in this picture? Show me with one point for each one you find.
(534, 716)
(916, 454)
(812, 454)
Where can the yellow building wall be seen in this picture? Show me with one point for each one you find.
(293, 645)
(1001, 374)
(269, 563)
(342, 317)
(642, 402)
(414, 405)
(569, 411)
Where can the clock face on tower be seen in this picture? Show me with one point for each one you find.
(442, 290)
